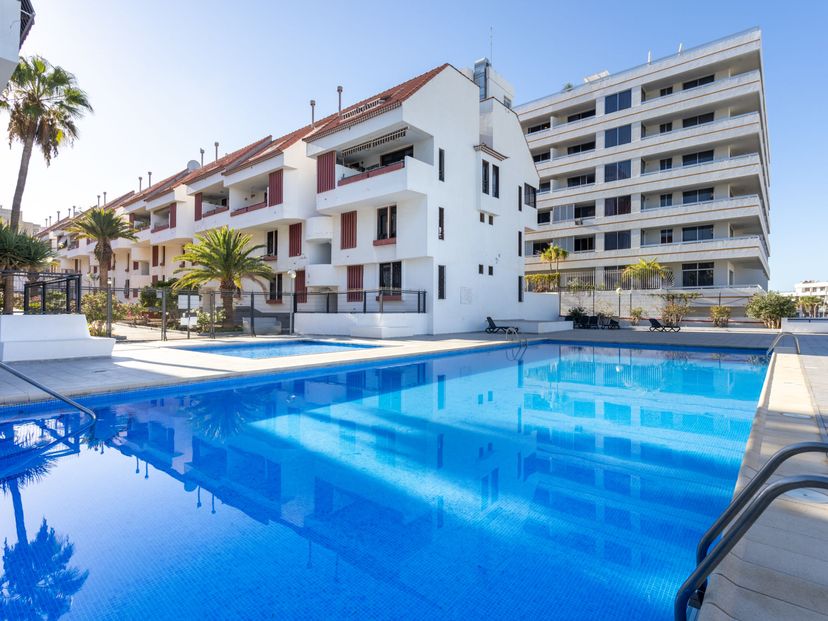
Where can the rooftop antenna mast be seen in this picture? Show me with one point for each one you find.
(491, 44)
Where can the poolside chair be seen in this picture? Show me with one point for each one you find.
(608, 323)
(657, 326)
(592, 322)
(580, 322)
(493, 328)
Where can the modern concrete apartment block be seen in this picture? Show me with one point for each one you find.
(16, 19)
(667, 160)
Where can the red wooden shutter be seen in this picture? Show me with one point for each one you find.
(135, 265)
(326, 172)
(295, 240)
(131, 219)
(355, 283)
(301, 289)
(275, 188)
(348, 234)
(198, 199)
(155, 256)
(173, 211)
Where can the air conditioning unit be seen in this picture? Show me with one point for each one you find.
(578, 221)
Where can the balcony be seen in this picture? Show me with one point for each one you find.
(319, 229)
(321, 275)
(403, 180)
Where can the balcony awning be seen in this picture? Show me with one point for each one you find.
(376, 142)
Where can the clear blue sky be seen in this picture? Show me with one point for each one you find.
(168, 77)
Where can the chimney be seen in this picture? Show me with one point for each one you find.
(99, 201)
(104, 199)
(50, 220)
(313, 112)
(216, 145)
(339, 91)
(149, 179)
(58, 212)
(74, 211)
(140, 182)
(202, 156)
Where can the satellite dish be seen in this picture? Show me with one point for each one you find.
(193, 165)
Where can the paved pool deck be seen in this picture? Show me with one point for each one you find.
(780, 569)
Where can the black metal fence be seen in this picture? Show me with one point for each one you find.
(162, 313)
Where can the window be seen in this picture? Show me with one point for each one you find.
(495, 181)
(480, 269)
(348, 232)
(545, 187)
(667, 90)
(665, 127)
(355, 283)
(580, 115)
(530, 195)
(491, 270)
(701, 119)
(697, 196)
(617, 101)
(617, 240)
(697, 82)
(583, 211)
(697, 233)
(485, 177)
(441, 223)
(520, 243)
(275, 293)
(520, 288)
(543, 217)
(441, 164)
(482, 217)
(520, 198)
(665, 164)
(617, 170)
(396, 156)
(618, 135)
(666, 236)
(272, 243)
(387, 222)
(586, 179)
(617, 206)
(539, 247)
(697, 274)
(542, 157)
(538, 128)
(584, 244)
(665, 200)
(441, 282)
(697, 158)
(581, 148)
(390, 275)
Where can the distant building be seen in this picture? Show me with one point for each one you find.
(29, 227)
(16, 18)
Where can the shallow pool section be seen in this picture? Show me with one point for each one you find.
(569, 482)
(276, 349)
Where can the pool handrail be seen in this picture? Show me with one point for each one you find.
(49, 391)
(779, 337)
(741, 525)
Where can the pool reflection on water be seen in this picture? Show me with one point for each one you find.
(571, 484)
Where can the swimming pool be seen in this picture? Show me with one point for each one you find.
(571, 483)
(273, 349)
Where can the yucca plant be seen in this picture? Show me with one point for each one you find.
(103, 226)
(554, 254)
(643, 271)
(222, 255)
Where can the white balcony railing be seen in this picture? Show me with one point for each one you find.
(716, 123)
(718, 160)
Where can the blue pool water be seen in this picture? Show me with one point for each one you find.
(274, 349)
(573, 483)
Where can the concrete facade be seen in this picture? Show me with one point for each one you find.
(668, 160)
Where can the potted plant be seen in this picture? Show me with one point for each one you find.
(635, 315)
(720, 315)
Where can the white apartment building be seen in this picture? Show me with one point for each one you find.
(668, 160)
(412, 205)
(16, 19)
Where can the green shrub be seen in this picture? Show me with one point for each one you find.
(93, 305)
(771, 308)
(720, 315)
(204, 322)
(635, 315)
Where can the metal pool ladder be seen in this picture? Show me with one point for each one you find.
(707, 559)
(779, 337)
(521, 345)
(49, 391)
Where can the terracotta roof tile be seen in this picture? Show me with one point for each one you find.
(227, 160)
(276, 147)
(154, 190)
(377, 104)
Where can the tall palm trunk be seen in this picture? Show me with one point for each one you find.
(105, 260)
(14, 223)
(227, 292)
(17, 504)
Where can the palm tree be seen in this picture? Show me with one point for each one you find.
(221, 255)
(44, 102)
(103, 226)
(36, 254)
(810, 304)
(644, 269)
(554, 254)
(20, 252)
